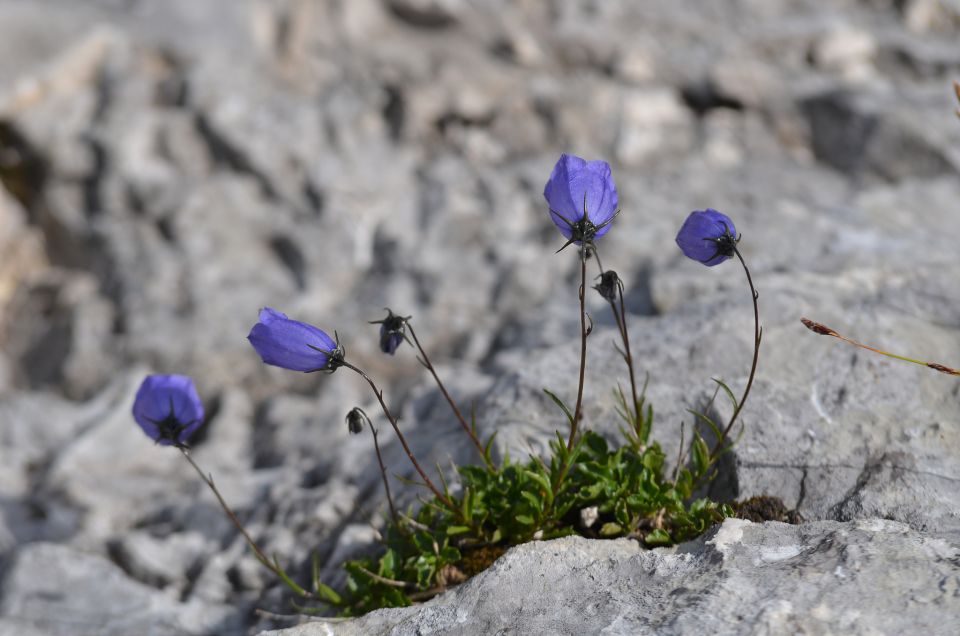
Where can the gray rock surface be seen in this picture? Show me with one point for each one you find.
(53, 589)
(169, 168)
(862, 577)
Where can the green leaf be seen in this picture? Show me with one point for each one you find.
(563, 407)
(455, 530)
(595, 443)
(726, 389)
(657, 537)
(535, 501)
(610, 529)
(488, 448)
(425, 567)
(450, 554)
(708, 420)
(700, 454)
(388, 564)
(538, 477)
(287, 580)
(328, 594)
(526, 520)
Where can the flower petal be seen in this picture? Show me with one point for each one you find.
(602, 199)
(697, 237)
(268, 315)
(291, 344)
(559, 191)
(165, 398)
(577, 187)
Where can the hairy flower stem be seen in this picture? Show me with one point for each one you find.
(208, 479)
(577, 411)
(446, 501)
(757, 336)
(425, 361)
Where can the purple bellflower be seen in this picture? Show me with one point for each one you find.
(392, 331)
(582, 198)
(294, 345)
(708, 236)
(168, 409)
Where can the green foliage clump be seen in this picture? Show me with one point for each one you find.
(592, 489)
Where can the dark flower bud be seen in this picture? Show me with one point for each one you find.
(393, 331)
(355, 419)
(609, 285)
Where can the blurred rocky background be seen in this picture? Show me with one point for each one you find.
(168, 168)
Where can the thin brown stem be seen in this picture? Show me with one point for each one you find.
(621, 319)
(757, 336)
(239, 526)
(577, 411)
(403, 440)
(383, 475)
(453, 405)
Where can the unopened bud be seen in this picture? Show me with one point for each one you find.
(609, 285)
(355, 419)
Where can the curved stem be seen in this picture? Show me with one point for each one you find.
(583, 353)
(757, 336)
(239, 526)
(453, 405)
(403, 440)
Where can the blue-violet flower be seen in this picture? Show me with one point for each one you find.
(393, 330)
(294, 345)
(168, 409)
(582, 198)
(708, 236)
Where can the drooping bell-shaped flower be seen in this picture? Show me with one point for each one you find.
(393, 331)
(582, 198)
(294, 345)
(708, 236)
(168, 409)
